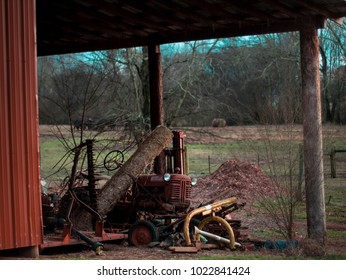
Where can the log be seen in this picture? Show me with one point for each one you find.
(121, 181)
(116, 187)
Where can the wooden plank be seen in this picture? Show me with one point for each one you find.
(184, 249)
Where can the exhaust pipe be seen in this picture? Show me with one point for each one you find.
(215, 237)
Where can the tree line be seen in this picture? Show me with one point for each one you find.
(246, 80)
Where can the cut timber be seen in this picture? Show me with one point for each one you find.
(183, 249)
(120, 182)
(116, 187)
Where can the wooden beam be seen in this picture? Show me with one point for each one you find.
(180, 16)
(238, 6)
(120, 11)
(283, 8)
(212, 32)
(243, 28)
(86, 16)
(156, 98)
(309, 5)
(215, 9)
(312, 132)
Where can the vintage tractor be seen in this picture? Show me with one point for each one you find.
(155, 202)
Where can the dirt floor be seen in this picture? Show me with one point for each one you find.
(236, 178)
(125, 252)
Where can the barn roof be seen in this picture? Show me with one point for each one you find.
(67, 26)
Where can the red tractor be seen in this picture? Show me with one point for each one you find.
(156, 204)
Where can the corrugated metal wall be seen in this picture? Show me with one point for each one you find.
(20, 194)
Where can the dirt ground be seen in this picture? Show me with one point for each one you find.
(233, 178)
(125, 252)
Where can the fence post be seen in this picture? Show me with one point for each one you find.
(209, 164)
(332, 163)
(299, 194)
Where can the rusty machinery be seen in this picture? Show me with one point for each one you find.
(155, 207)
(83, 195)
(158, 206)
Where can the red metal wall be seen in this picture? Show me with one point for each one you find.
(20, 194)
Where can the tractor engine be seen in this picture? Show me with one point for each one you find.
(171, 192)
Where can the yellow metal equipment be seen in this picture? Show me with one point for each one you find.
(210, 210)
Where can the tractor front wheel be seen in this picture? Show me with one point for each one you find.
(142, 233)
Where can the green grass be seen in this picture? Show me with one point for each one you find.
(336, 219)
(206, 158)
(338, 234)
(51, 152)
(57, 159)
(335, 192)
(266, 234)
(268, 155)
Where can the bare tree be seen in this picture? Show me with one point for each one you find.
(254, 80)
(282, 162)
(73, 90)
(183, 78)
(333, 54)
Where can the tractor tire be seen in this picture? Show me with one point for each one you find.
(142, 233)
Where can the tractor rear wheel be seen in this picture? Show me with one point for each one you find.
(142, 233)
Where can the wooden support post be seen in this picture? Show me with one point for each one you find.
(156, 92)
(156, 98)
(312, 131)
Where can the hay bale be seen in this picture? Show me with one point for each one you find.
(219, 122)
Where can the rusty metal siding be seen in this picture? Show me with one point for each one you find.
(20, 194)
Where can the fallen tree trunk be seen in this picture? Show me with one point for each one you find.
(121, 181)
